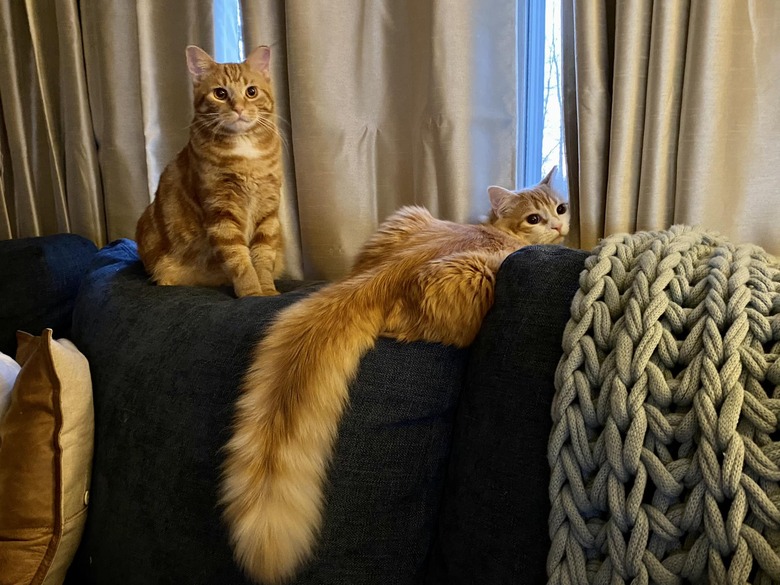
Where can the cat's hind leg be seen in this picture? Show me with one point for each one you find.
(455, 294)
(395, 233)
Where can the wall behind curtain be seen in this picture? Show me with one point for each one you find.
(382, 104)
(673, 117)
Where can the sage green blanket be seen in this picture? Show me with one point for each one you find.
(665, 451)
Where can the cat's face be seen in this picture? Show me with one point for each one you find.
(232, 98)
(536, 214)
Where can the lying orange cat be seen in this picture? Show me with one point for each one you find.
(418, 278)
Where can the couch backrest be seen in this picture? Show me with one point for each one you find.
(493, 526)
(39, 280)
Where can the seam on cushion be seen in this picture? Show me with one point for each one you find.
(54, 543)
(75, 516)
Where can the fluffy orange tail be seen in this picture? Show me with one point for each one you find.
(286, 423)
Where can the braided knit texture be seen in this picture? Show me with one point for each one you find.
(665, 451)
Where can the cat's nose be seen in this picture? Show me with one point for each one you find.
(238, 110)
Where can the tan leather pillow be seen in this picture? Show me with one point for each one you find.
(46, 441)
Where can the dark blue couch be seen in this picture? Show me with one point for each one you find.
(440, 474)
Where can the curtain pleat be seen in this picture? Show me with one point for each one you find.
(31, 174)
(656, 195)
(6, 185)
(140, 95)
(570, 121)
(593, 85)
(672, 113)
(45, 61)
(83, 188)
(629, 92)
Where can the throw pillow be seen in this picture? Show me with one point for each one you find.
(46, 442)
(9, 369)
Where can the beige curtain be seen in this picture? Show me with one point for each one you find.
(95, 100)
(673, 116)
(390, 103)
(139, 95)
(49, 177)
(382, 103)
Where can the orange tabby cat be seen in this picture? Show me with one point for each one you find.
(215, 217)
(418, 278)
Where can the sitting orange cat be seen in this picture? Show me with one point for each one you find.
(215, 217)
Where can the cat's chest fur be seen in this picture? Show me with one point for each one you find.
(245, 148)
(245, 170)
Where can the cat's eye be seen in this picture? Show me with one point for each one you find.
(533, 219)
(561, 209)
(220, 93)
(251, 91)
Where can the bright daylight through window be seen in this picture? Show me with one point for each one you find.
(540, 97)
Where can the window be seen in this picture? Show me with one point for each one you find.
(228, 41)
(540, 97)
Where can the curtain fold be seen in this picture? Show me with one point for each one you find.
(670, 114)
(672, 117)
(50, 182)
(140, 95)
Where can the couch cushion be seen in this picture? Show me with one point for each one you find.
(45, 461)
(39, 279)
(493, 526)
(166, 364)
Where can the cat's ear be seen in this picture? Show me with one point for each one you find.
(500, 199)
(259, 60)
(549, 177)
(199, 62)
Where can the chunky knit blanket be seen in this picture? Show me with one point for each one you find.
(665, 452)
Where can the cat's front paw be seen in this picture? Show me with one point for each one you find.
(255, 292)
(248, 291)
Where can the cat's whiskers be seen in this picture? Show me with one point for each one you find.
(286, 122)
(267, 124)
(219, 128)
(206, 121)
(198, 123)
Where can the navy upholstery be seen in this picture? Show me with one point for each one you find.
(166, 363)
(39, 279)
(493, 526)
